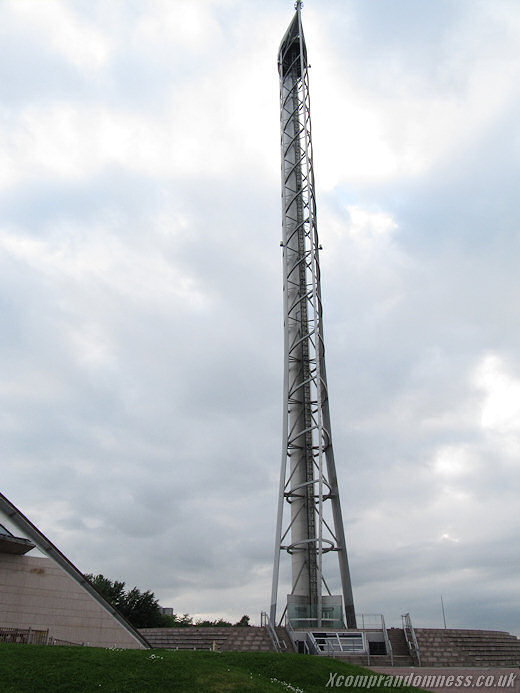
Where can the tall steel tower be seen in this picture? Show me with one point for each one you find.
(308, 482)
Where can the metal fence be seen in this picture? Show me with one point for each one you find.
(31, 636)
(24, 636)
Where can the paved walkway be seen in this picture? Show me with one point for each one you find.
(453, 679)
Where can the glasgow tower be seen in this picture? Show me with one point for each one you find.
(309, 525)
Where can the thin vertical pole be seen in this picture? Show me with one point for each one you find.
(443, 612)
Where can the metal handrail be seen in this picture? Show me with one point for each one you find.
(311, 646)
(369, 621)
(410, 637)
(332, 643)
(388, 644)
(266, 622)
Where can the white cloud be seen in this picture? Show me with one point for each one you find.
(73, 258)
(392, 119)
(365, 224)
(184, 23)
(56, 23)
(453, 462)
(501, 405)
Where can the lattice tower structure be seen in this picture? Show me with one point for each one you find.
(308, 480)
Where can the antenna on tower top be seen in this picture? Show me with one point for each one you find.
(298, 5)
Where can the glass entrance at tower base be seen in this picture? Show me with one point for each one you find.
(301, 614)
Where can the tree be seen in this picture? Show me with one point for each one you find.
(221, 623)
(140, 608)
(244, 621)
(217, 623)
(112, 591)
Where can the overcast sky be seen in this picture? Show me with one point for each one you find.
(141, 293)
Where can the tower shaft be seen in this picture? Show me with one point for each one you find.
(308, 482)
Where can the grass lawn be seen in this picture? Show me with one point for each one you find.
(38, 669)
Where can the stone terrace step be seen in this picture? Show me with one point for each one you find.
(233, 638)
(457, 647)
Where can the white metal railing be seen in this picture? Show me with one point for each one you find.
(411, 639)
(368, 621)
(388, 644)
(333, 642)
(311, 646)
(290, 633)
(266, 623)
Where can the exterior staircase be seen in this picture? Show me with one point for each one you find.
(284, 639)
(402, 657)
(231, 638)
(467, 648)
